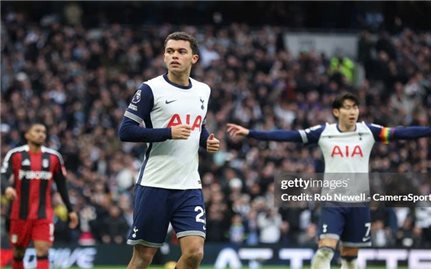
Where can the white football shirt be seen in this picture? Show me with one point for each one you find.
(343, 152)
(346, 156)
(171, 164)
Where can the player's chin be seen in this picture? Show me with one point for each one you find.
(176, 70)
(39, 143)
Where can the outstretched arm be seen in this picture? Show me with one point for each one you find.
(386, 134)
(236, 130)
(412, 132)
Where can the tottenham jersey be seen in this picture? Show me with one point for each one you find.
(158, 103)
(346, 152)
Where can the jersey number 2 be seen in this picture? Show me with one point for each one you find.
(200, 214)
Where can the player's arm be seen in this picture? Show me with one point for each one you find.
(307, 136)
(204, 137)
(131, 131)
(387, 134)
(60, 182)
(139, 111)
(208, 141)
(6, 173)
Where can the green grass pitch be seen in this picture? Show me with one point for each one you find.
(211, 267)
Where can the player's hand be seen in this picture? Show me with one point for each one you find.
(213, 144)
(73, 220)
(235, 130)
(181, 131)
(10, 193)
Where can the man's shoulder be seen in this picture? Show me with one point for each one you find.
(154, 85)
(52, 152)
(17, 150)
(199, 83)
(317, 128)
(367, 127)
(157, 79)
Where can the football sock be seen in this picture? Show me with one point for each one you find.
(17, 263)
(42, 262)
(322, 258)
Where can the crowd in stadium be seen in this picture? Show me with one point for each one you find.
(79, 81)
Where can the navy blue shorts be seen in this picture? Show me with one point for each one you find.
(350, 225)
(154, 208)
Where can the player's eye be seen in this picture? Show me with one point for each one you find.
(350, 107)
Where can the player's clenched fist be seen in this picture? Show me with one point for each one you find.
(181, 131)
(236, 130)
(10, 193)
(213, 144)
(73, 220)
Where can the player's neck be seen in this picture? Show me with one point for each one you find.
(346, 128)
(179, 79)
(34, 148)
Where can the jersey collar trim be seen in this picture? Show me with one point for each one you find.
(165, 76)
(338, 128)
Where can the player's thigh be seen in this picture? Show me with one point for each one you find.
(358, 228)
(328, 242)
(20, 233)
(331, 223)
(150, 217)
(349, 251)
(188, 216)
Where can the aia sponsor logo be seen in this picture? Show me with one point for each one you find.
(177, 119)
(347, 151)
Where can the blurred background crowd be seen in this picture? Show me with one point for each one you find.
(77, 71)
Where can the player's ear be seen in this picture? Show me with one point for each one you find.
(336, 112)
(195, 58)
(27, 135)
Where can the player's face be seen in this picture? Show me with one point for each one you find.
(36, 135)
(179, 57)
(347, 114)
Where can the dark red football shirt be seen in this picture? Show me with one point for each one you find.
(33, 176)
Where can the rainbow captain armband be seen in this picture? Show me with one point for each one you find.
(386, 134)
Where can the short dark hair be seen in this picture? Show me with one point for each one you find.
(186, 37)
(338, 102)
(35, 122)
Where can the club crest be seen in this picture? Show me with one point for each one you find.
(137, 97)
